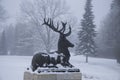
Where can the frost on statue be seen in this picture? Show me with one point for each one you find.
(61, 56)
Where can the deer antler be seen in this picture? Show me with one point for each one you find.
(50, 23)
(64, 25)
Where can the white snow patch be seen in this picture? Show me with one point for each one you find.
(54, 55)
(13, 67)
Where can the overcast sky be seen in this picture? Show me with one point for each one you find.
(101, 8)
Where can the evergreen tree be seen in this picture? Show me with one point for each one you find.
(23, 39)
(111, 31)
(3, 46)
(87, 32)
(3, 15)
(117, 31)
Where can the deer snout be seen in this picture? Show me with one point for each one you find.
(72, 45)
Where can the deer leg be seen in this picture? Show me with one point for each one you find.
(67, 62)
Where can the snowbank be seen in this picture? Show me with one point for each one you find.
(13, 67)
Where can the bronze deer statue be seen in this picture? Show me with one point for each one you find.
(63, 43)
(62, 57)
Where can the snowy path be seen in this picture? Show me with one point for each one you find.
(12, 68)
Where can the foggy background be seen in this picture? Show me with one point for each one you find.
(101, 8)
(21, 36)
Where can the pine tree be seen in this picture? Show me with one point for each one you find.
(111, 30)
(3, 46)
(23, 39)
(3, 14)
(116, 24)
(87, 32)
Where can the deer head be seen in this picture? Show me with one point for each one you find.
(63, 43)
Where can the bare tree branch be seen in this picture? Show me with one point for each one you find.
(37, 10)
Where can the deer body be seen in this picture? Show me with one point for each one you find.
(63, 45)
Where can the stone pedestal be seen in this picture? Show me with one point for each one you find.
(53, 76)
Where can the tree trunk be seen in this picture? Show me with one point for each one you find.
(86, 58)
(117, 52)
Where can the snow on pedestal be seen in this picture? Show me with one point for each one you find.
(28, 75)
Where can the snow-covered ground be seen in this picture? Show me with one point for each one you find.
(13, 67)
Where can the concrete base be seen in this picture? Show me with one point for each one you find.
(53, 76)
